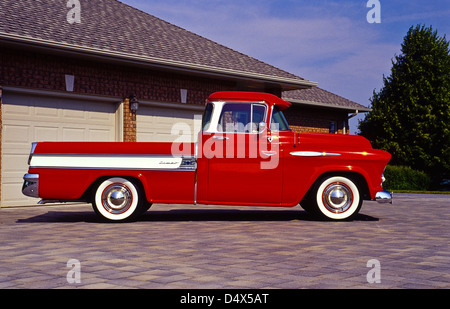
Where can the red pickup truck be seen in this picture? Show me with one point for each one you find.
(245, 155)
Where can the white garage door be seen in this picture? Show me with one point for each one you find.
(30, 118)
(160, 124)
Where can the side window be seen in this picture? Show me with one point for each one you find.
(241, 117)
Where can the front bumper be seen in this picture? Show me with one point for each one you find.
(31, 185)
(384, 197)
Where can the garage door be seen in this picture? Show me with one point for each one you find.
(159, 124)
(29, 118)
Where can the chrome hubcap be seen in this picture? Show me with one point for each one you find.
(116, 198)
(337, 197)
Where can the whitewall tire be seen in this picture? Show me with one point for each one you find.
(337, 198)
(117, 199)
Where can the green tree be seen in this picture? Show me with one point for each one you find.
(410, 115)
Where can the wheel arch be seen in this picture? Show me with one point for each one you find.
(89, 194)
(359, 180)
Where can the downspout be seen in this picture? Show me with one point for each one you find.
(353, 115)
(344, 130)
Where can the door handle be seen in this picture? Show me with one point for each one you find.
(271, 138)
(269, 153)
(220, 138)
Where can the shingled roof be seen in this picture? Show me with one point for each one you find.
(322, 98)
(110, 28)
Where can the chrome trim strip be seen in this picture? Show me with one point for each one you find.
(269, 153)
(114, 162)
(115, 169)
(33, 148)
(314, 154)
(131, 155)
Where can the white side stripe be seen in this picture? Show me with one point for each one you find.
(105, 162)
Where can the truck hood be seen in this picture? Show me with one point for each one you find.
(333, 142)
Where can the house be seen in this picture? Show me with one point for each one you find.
(105, 71)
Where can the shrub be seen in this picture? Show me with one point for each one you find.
(405, 178)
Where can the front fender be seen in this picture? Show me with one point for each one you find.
(302, 172)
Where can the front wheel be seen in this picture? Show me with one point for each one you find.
(336, 198)
(118, 199)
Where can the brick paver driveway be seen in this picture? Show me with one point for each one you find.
(181, 246)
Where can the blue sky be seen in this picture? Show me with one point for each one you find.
(329, 42)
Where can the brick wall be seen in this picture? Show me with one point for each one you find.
(42, 71)
(129, 122)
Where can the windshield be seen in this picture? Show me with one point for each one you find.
(278, 122)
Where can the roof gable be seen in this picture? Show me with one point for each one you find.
(320, 97)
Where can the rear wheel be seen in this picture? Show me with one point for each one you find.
(335, 198)
(118, 199)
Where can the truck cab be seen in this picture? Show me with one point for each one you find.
(240, 150)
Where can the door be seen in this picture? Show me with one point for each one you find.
(31, 118)
(161, 124)
(243, 162)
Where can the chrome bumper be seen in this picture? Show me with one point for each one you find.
(384, 197)
(31, 185)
